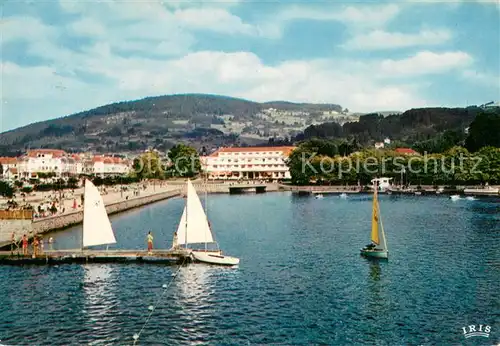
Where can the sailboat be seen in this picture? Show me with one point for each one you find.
(194, 229)
(378, 246)
(97, 228)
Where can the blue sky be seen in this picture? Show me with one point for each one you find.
(62, 57)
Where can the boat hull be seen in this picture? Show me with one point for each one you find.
(214, 258)
(375, 253)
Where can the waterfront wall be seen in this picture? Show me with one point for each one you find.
(19, 226)
(224, 188)
(73, 218)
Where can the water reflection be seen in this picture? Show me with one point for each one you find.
(375, 271)
(192, 282)
(99, 296)
(196, 301)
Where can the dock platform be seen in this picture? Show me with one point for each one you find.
(52, 257)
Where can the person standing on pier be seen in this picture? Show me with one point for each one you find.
(174, 242)
(150, 242)
(13, 242)
(51, 243)
(35, 246)
(25, 245)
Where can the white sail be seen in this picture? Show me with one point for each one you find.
(96, 225)
(193, 227)
(181, 230)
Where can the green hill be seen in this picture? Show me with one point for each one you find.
(157, 122)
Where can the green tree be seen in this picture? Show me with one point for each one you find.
(148, 166)
(300, 166)
(484, 131)
(184, 161)
(6, 189)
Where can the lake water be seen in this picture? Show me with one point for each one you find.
(300, 281)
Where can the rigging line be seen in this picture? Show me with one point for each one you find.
(138, 335)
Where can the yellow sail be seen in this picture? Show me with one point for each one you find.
(375, 236)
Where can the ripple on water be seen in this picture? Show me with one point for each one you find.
(301, 279)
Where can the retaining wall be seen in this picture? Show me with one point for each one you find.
(63, 221)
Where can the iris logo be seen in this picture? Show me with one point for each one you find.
(474, 330)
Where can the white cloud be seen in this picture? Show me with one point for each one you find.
(487, 79)
(426, 63)
(25, 29)
(88, 27)
(161, 36)
(363, 16)
(219, 20)
(240, 74)
(379, 39)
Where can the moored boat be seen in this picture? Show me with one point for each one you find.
(378, 246)
(195, 234)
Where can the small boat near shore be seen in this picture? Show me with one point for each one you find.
(194, 229)
(378, 246)
(319, 196)
(455, 197)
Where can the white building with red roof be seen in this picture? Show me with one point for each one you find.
(63, 164)
(109, 165)
(41, 161)
(248, 163)
(9, 167)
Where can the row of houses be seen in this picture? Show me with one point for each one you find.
(61, 164)
(232, 163)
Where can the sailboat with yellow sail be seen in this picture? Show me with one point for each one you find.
(378, 246)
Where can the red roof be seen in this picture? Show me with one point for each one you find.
(108, 159)
(8, 160)
(406, 151)
(285, 150)
(53, 152)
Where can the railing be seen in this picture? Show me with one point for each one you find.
(20, 214)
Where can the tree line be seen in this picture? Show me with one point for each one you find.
(476, 160)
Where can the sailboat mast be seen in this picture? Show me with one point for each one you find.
(206, 208)
(186, 228)
(83, 210)
(382, 229)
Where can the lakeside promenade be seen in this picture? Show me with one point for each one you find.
(115, 200)
(70, 209)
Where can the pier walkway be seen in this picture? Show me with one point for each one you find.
(95, 256)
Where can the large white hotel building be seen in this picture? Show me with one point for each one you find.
(247, 163)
